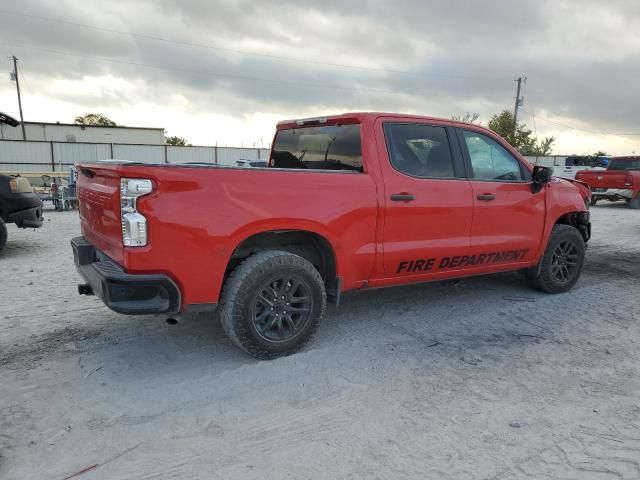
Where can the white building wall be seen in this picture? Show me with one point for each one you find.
(25, 156)
(70, 153)
(39, 156)
(78, 133)
(230, 156)
(139, 153)
(191, 154)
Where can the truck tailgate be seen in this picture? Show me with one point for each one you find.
(604, 179)
(99, 204)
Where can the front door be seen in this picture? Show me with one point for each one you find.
(428, 202)
(508, 220)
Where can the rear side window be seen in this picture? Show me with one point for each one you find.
(329, 147)
(631, 164)
(490, 160)
(419, 150)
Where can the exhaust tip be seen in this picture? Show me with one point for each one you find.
(172, 321)
(85, 289)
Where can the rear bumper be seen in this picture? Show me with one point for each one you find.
(612, 193)
(130, 294)
(27, 218)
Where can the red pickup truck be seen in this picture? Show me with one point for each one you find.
(347, 202)
(620, 181)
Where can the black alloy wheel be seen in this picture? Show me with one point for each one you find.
(564, 261)
(282, 308)
(272, 303)
(561, 264)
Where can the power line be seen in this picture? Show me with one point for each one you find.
(221, 74)
(533, 117)
(619, 134)
(233, 50)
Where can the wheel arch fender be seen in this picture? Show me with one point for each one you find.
(308, 239)
(579, 219)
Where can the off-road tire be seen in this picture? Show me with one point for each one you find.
(3, 234)
(244, 286)
(593, 201)
(542, 277)
(635, 202)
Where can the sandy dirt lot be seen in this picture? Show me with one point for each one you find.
(474, 379)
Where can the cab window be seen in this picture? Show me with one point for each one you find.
(328, 147)
(490, 160)
(419, 150)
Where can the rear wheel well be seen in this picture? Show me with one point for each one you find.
(579, 221)
(311, 246)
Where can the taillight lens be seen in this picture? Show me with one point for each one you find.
(134, 224)
(20, 185)
(628, 180)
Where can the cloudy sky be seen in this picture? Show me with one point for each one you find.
(226, 71)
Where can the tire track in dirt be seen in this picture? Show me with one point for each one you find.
(589, 453)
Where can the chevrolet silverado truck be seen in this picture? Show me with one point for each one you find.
(347, 202)
(18, 203)
(620, 181)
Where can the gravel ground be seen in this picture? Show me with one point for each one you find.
(474, 379)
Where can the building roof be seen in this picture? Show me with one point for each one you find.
(91, 126)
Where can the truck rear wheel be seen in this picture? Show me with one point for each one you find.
(561, 264)
(272, 304)
(3, 234)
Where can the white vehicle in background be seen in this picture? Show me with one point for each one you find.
(252, 163)
(567, 167)
(576, 163)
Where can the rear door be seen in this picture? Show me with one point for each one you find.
(428, 204)
(508, 219)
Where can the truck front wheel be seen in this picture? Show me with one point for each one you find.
(561, 264)
(3, 234)
(272, 304)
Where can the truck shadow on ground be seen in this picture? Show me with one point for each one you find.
(613, 205)
(614, 263)
(17, 248)
(143, 343)
(429, 312)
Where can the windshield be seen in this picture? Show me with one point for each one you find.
(625, 164)
(330, 147)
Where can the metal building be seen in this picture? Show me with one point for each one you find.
(69, 132)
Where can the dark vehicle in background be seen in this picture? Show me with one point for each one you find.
(18, 203)
(620, 181)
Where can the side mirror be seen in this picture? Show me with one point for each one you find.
(8, 119)
(540, 176)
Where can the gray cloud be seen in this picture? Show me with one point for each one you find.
(582, 57)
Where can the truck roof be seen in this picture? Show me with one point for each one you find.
(359, 117)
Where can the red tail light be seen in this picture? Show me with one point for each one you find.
(628, 180)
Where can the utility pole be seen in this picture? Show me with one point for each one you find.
(15, 74)
(519, 102)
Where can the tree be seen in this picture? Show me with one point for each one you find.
(600, 153)
(177, 141)
(519, 136)
(467, 117)
(543, 148)
(95, 119)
